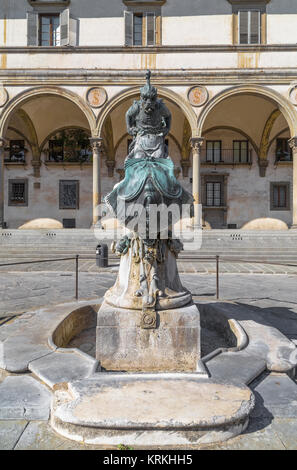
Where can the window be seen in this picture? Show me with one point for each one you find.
(56, 150)
(18, 192)
(280, 196)
(142, 28)
(137, 29)
(70, 145)
(213, 194)
(240, 151)
(249, 21)
(283, 151)
(249, 26)
(16, 151)
(213, 151)
(69, 194)
(51, 29)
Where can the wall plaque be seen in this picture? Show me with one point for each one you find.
(69, 194)
(3, 96)
(198, 95)
(96, 97)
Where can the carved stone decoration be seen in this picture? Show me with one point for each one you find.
(36, 168)
(148, 319)
(110, 167)
(293, 143)
(198, 95)
(3, 96)
(263, 164)
(96, 97)
(293, 95)
(185, 164)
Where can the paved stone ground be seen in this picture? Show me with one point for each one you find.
(184, 266)
(273, 424)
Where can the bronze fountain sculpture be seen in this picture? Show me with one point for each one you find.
(148, 284)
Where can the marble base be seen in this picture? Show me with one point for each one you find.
(150, 410)
(122, 344)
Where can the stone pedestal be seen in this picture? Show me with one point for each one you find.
(123, 344)
(152, 410)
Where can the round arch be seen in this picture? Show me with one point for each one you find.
(13, 129)
(283, 104)
(59, 130)
(234, 129)
(277, 135)
(25, 96)
(170, 95)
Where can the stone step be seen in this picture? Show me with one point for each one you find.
(160, 410)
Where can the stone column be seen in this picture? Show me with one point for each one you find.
(97, 147)
(2, 145)
(196, 143)
(293, 145)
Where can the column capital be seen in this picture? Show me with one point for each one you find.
(293, 143)
(96, 143)
(196, 142)
(2, 142)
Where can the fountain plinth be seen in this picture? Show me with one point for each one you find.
(148, 321)
(159, 334)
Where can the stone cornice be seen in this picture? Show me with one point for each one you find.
(140, 3)
(88, 77)
(48, 2)
(148, 49)
(248, 2)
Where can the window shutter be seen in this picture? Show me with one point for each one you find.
(255, 27)
(64, 27)
(72, 31)
(128, 28)
(243, 27)
(32, 28)
(150, 29)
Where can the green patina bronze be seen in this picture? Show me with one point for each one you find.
(149, 171)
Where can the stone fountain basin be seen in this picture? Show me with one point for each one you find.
(193, 408)
(38, 342)
(78, 330)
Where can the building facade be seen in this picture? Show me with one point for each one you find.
(226, 69)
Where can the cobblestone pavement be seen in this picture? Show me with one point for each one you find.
(184, 266)
(273, 424)
(22, 291)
